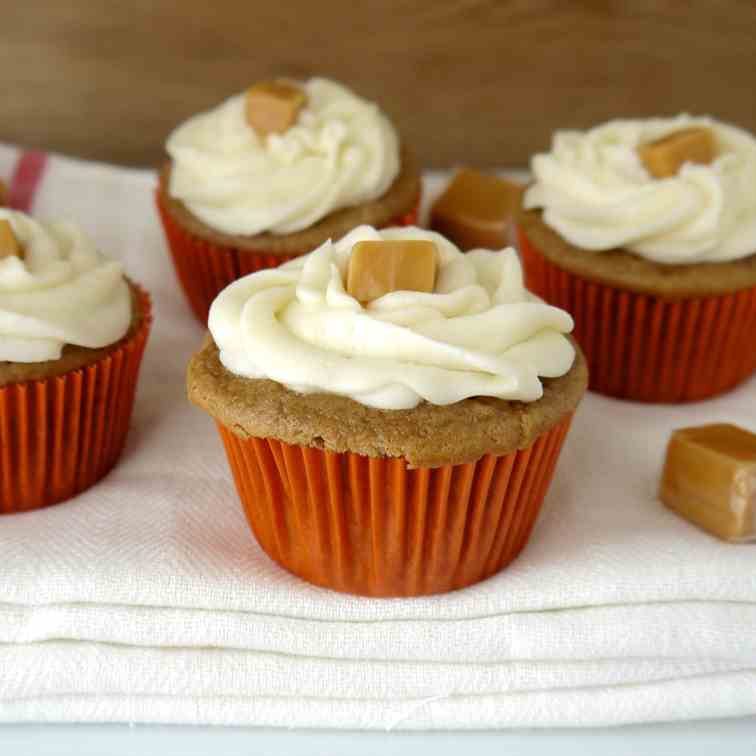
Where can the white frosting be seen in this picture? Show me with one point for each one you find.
(595, 191)
(341, 152)
(62, 292)
(479, 333)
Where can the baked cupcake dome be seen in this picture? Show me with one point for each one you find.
(72, 336)
(659, 273)
(368, 472)
(234, 201)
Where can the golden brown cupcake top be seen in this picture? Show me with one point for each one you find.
(426, 435)
(626, 270)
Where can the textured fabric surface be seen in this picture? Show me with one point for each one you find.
(146, 598)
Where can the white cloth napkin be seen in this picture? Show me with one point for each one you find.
(147, 599)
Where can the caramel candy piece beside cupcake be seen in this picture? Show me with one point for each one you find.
(9, 246)
(476, 210)
(710, 479)
(664, 157)
(379, 267)
(272, 107)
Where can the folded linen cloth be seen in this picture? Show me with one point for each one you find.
(147, 599)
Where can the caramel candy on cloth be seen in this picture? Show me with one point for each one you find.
(664, 157)
(710, 479)
(273, 106)
(476, 210)
(9, 246)
(379, 267)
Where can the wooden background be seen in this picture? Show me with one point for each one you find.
(472, 81)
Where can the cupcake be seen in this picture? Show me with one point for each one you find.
(272, 174)
(645, 230)
(396, 446)
(72, 335)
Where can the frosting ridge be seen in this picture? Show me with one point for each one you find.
(596, 193)
(63, 292)
(479, 333)
(342, 151)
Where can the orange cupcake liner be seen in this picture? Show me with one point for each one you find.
(649, 348)
(60, 435)
(376, 527)
(204, 269)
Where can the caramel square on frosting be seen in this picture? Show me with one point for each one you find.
(710, 479)
(476, 210)
(664, 157)
(380, 267)
(272, 107)
(9, 245)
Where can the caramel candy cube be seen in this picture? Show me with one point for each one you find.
(379, 267)
(476, 210)
(710, 479)
(3, 194)
(9, 246)
(664, 157)
(273, 106)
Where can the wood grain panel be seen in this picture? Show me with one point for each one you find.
(473, 81)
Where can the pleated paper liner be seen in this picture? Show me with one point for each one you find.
(205, 269)
(374, 527)
(648, 348)
(59, 436)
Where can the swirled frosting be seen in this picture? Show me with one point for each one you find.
(479, 333)
(62, 292)
(341, 152)
(596, 193)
